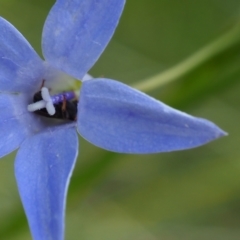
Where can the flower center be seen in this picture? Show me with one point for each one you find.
(61, 106)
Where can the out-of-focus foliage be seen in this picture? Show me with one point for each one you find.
(192, 194)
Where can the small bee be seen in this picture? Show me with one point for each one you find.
(60, 106)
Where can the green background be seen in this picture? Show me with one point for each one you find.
(192, 194)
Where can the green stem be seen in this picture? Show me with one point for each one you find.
(217, 46)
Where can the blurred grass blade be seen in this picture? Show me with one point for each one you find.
(221, 44)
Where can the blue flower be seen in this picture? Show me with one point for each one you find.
(110, 114)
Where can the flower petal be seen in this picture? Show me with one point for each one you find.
(76, 33)
(20, 66)
(43, 167)
(15, 123)
(87, 77)
(116, 117)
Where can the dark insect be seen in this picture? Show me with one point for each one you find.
(65, 109)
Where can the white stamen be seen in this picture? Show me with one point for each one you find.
(36, 106)
(50, 108)
(45, 103)
(45, 94)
